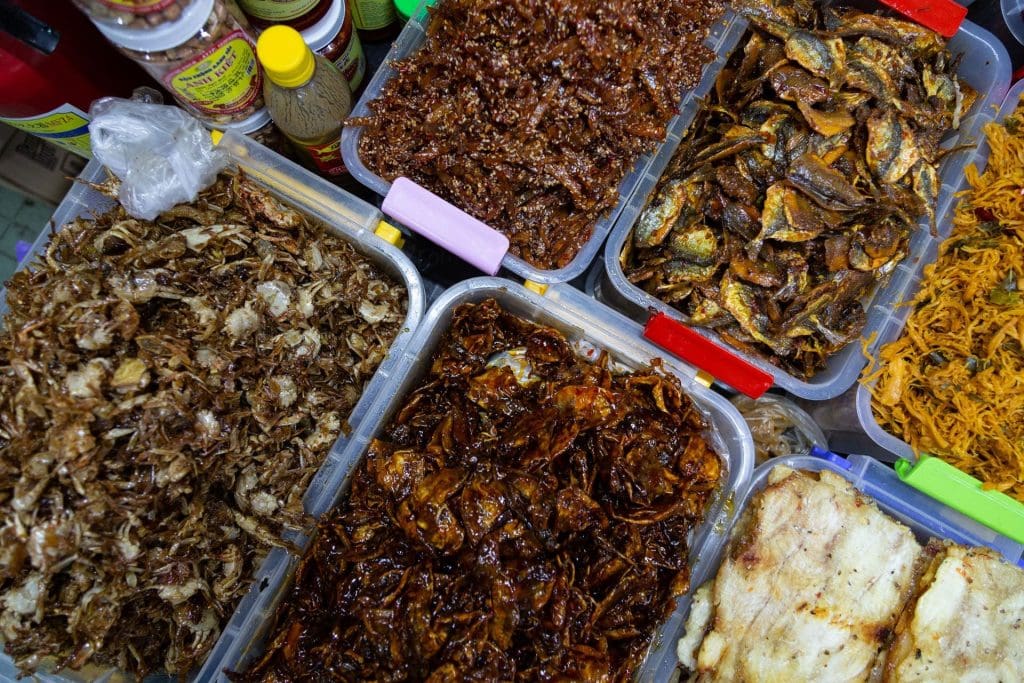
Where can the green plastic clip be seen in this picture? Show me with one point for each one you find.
(965, 494)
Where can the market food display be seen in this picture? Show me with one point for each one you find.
(525, 515)
(809, 589)
(819, 584)
(528, 115)
(953, 384)
(965, 624)
(797, 187)
(167, 391)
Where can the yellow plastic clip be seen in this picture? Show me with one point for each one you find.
(705, 378)
(216, 135)
(389, 234)
(535, 287)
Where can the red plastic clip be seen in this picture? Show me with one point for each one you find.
(942, 16)
(706, 355)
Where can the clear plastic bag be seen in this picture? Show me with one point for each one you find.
(162, 155)
(779, 427)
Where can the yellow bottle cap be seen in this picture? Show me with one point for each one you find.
(285, 57)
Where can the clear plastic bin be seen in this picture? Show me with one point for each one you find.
(580, 318)
(721, 39)
(926, 517)
(985, 66)
(344, 215)
(890, 321)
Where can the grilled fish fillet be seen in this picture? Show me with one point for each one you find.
(967, 625)
(813, 584)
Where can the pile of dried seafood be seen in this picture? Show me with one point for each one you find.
(524, 516)
(167, 390)
(529, 114)
(801, 180)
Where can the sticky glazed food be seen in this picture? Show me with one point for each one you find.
(529, 114)
(168, 389)
(524, 516)
(801, 180)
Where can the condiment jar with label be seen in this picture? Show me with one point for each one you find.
(298, 14)
(334, 38)
(375, 19)
(205, 58)
(308, 98)
(135, 14)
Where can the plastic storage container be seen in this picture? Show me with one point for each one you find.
(906, 282)
(133, 13)
(720, 41)
(985, 66)
(344, 215)
(579, 318)
(925, 517)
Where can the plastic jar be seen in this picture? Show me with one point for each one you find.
(135, 14)
(335, 38)
(206, 59)
(375, 19)
(298, 14)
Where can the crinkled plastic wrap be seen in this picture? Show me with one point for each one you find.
(162, 155)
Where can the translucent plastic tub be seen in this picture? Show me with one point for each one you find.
(579, 318)
(344, 215)
(927, 518)
(890, 321)
(985, 66)
(721, 39)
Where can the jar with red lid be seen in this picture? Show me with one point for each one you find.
(298, 14)
(335, 38)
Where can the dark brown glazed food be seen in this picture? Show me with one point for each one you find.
(524, 516)
(798, 186)
(528, 114)
(167, 391)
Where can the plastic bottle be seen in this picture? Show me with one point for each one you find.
(375, 19)
(308, 98)
(335, 38)
(298, 14)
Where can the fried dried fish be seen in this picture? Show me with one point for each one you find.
(810, 165)
(524, 516)
(167, 391)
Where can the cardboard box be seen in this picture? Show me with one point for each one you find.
(36, 168)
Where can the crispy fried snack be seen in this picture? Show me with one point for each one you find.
(167, 391)
(524, 516)
(528, 114)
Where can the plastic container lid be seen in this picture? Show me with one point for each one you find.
(246, 125)
(285, 57)
(1013, 14)
(406, 8)
(163, 37)
(319, 35)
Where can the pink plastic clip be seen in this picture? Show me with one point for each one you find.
(450, 228)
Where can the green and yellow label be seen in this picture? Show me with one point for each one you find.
(66, 126)
(277, 10)
(224, 79)
(373, 14)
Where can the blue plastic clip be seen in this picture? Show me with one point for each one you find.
(21, 248)
(831, 457)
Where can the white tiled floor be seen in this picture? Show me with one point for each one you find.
(21, 218)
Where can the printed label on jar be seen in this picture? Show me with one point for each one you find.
(224, 79)
(352, 63)
(138, 6)
(327, 158)
(66, 126)
(370, 15)
(277, 10)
